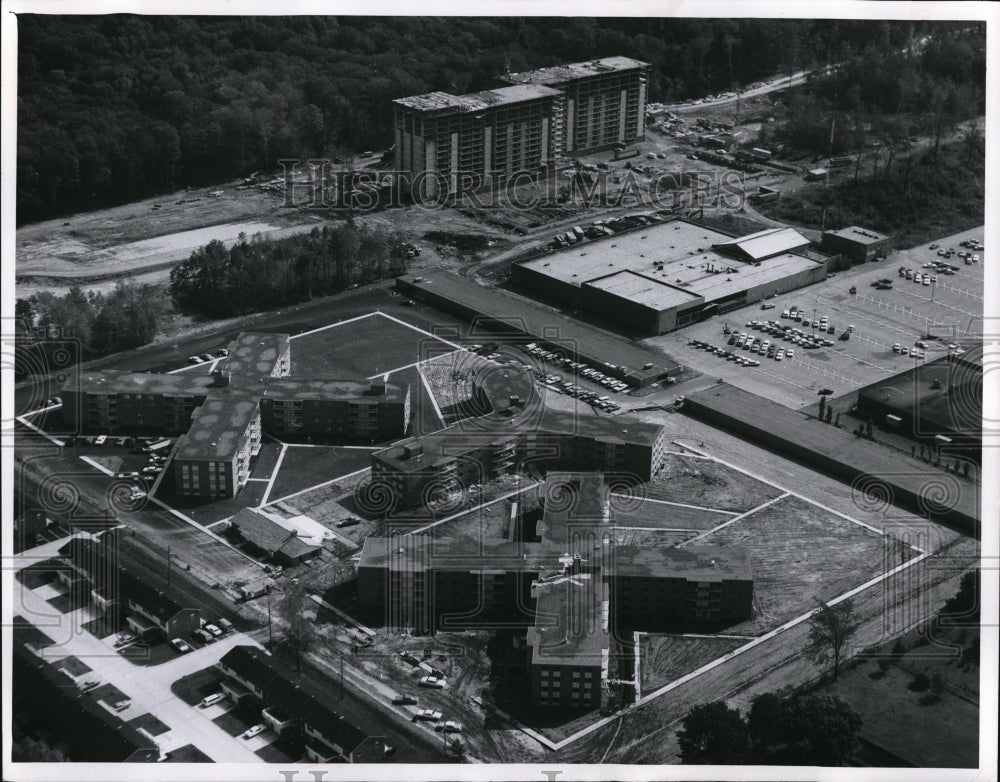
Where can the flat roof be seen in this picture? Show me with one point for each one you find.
(476, 101)
(254, 354)
(693, 564)
(571, 622)
(292, 388)
(555, 74)
(542, 322)
(577, 500)
(411, 553)
(858, 234)
(677, 253)
(940, 409)
(113, 381)
(750, 411)
(644, 290)
(217, 426)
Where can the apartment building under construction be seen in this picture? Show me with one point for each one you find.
(454, 143)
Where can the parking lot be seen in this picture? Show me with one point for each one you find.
(946, 311)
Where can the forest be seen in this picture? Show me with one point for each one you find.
(116, 108)
(261, 273)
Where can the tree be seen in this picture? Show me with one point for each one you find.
(299, 635)
(820, 730)
(829, 630)
(822, 407)
(713, 734)
(456, 749)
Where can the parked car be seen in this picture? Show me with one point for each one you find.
(404, 700)
(257, 729)
(201, 635)
(222, 352)
(195, 360)
(215, 631)
(449, 727)
(179, 645)
(432, 681)
(427, 714)
(211, 700)
(348, 522)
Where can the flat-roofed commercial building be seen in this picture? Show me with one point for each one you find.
(669, 275)
(604, 100)
(857, 243)
(447, 137)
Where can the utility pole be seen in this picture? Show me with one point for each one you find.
(168, 565)
(342, 676)
(270, 637)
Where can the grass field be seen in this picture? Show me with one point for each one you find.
(303, 467)
(696, 481)
(665, 658)
(800, 554)
(362, 348)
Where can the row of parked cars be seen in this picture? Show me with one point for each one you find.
(580, 367)
(208, 633)
(571, 389)
(799, 336)
(723, 353)
(206, 357)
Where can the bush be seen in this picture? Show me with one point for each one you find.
(920, 683)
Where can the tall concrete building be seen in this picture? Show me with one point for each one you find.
(452, 143)
(604, 101)
(441, 138)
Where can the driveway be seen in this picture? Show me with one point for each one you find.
(148, 687)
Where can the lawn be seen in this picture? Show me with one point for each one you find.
(665, 658)
(697, 481)
(361, 348)
(801, 554)
(303, 467)
(150, 724)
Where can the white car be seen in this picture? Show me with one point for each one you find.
(180, 646)
(427, 714)
(449, 726)
(195, 360)
(432, 681)
(257, 729)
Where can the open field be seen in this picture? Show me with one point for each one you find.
(364, 347)
(665, 658)
(951, 309)
(801, 554)
(696, 481)
(304, 466)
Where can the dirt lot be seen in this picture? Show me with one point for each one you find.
(903, 314)
(696, 481)
(668, 657)
(801, 554)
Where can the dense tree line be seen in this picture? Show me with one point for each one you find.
(816, 730)
(882, 94)
(114, 108)
(54, 332)
(261, 273)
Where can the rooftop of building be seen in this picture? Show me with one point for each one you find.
(693, 564)
(251, 664)
(955, 406)
(254, 354)
(527, 316)
(500, 383)
(858, 234)
(113, 381)
(476, 101)
(765, 244)
(571, 621)
(410, 553)
(573, 501)
(294, 388)
(678, 254)
(218, 426)
(557, 74)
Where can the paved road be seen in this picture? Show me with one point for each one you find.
(148, 687)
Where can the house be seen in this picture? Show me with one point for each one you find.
(276, 538)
